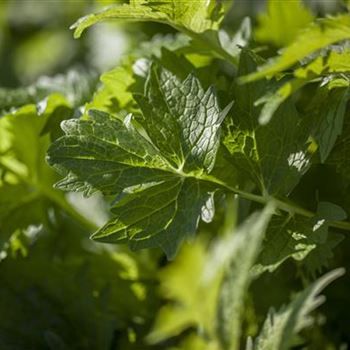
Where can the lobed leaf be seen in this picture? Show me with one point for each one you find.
(157, 169)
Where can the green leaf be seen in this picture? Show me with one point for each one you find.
(27, 197)
(76, 85)
(26, 180)
(273, 99)
(158, 168)
(195, 16)
(334, 59)
(318, 35)
(100, 290)
(240, 253)
(303, 239)
(339, 156)
(182, 283)
(292, 16)
(273, 156)
(104, 154)
(281, 327)
(118, 79)
(331, 110)
(181, 119)
(199, 19)
(162, 215)
(206, 286)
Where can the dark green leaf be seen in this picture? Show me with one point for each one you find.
(160, 172)
(274, 156)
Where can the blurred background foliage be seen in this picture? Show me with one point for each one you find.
(35, 40)
(59, 290)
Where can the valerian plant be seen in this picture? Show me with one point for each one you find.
(205, 144)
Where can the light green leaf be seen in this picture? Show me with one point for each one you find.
(292, 16)
(26, 193)
(281, 327)
(194, 16)
(159, 171)
(238, 254)
(118, 80)
(334, 59)
(273, 156)
(199, 19)
(318, 35)
(182, 282)
(327, 67)
(206, 287)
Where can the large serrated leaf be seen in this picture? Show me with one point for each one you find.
(182, 119)
(157, 169)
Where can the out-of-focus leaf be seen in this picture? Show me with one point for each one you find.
(77, 86)
(281, 327)
(292, 16)
(207, 288)
(318, 35)
(331, 110)
(326, 68)
(26, 193)
(240, 39)
(69, 294)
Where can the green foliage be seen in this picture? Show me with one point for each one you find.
(280, 327)
(199, 19)
(77, 86)
(292, 16)
(231, 161)
(193, 16)
(274, 156)
(221, 275)
(159, 177)
(318, 35)
(303, 239)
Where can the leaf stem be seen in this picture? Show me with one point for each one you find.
(288, 207)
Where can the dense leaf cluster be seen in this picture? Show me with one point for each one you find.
(205, 144)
